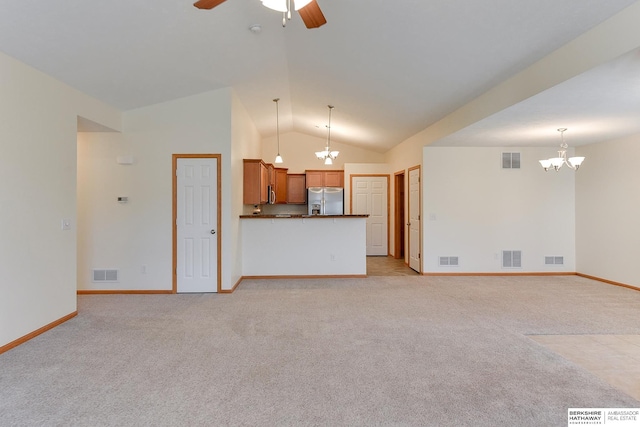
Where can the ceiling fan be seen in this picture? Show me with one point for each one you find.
(309, 10)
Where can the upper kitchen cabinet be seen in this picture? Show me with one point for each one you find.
(334, 178)
(296, 189)
(256, 182)
(325, 178)
(280, 185)
(271, 170)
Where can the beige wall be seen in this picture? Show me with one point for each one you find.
(245, 143)
(38, 180)
(608, 208)
(474, 209)
(138, 233)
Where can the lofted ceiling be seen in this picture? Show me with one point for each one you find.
(390, 68)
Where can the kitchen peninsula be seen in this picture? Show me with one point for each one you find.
(304, 245)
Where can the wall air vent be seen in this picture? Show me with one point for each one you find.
(510, 160)
(105, 275)
(448, 261)
(554, 260)
(511, 259)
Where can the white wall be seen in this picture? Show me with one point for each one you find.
(38, 190)
(129, 236)
(607, 211)
(473, 209)
(304, 246)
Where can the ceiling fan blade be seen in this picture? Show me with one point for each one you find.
(207, 4)
(312, 15)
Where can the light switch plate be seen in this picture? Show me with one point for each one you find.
(66, 224)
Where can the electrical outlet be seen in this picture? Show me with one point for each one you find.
(333, 257)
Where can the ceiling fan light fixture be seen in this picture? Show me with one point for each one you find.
(299, 4)
(278, 5)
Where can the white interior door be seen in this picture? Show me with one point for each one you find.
(414, 219)
(196, 222)
(370, 197)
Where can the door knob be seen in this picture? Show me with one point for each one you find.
(213, 231)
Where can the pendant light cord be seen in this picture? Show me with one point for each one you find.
(329, 128)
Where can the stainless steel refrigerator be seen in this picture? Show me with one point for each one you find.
(325, 200)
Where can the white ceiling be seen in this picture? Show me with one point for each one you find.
(391, 68)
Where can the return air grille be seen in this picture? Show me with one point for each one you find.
(105, 275)
(511, 259)
(510, 160)
(554, 260)
(448, 261)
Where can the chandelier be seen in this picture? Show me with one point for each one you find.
(327, 155)
(278, 156)
(557, 162)
(284, 6)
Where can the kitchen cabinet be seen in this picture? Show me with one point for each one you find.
(272, 175)
(315, 179)
(334, 179)
(296, 188)
(280, 185)
(324, 178)
(256, 182)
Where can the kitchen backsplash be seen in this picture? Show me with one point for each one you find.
(277, 209)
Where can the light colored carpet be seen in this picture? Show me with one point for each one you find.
(404, 351)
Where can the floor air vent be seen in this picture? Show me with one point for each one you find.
(105, 275)
(511, 259)
(554, 260)
(448, 261)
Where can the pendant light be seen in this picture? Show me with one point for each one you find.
(278, 157)
(557, 162)
(327, 155)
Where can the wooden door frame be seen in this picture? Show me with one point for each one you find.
(399, 223)
(419, 169)
(174, 215)
(372, 175)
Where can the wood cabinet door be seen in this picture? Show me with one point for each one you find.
(296, 189)
(315, 179)
(271, 180)
(264, 184)
(256, 179)
(334, 179)
(280, 185)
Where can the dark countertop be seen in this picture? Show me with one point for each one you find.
(301, 216)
